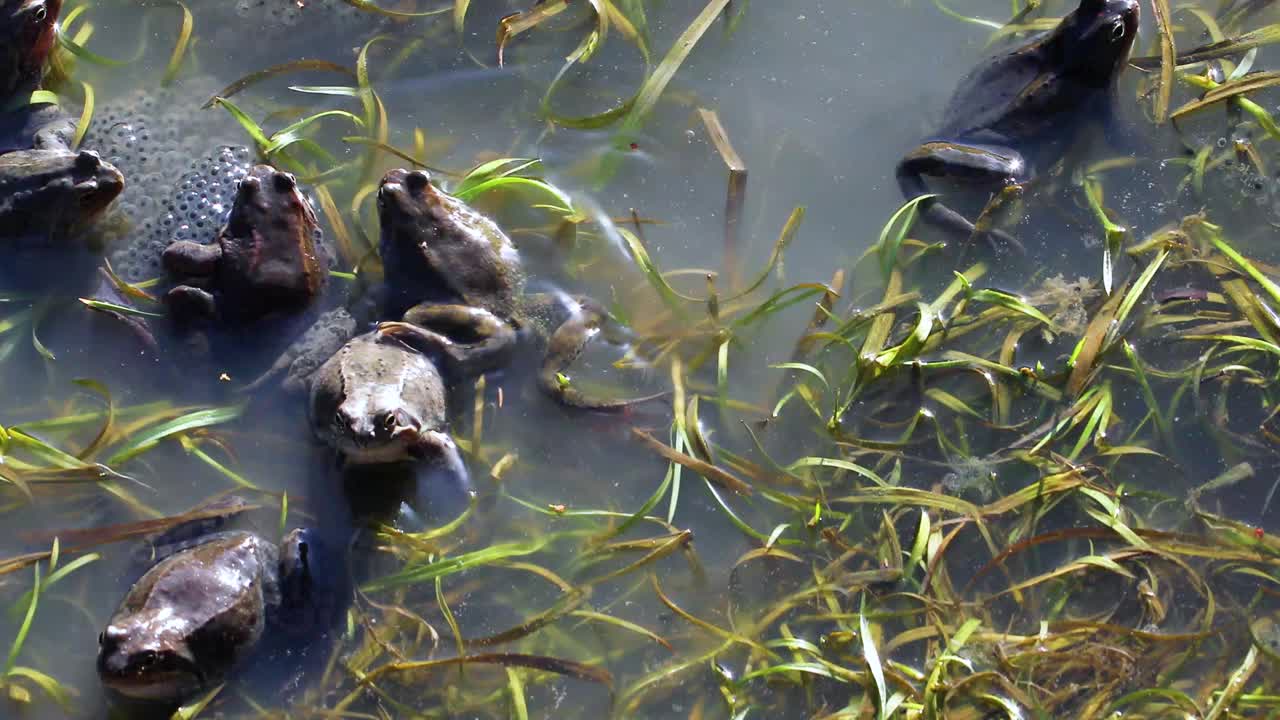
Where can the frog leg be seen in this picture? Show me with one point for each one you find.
(989, 165)
(478, 340)
(191, 259)
(305, 355)
(190, 304)
(587, 320)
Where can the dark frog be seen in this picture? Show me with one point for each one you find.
(266, 261)
(459, 283)
(48, 194)
(26, 39)
(201, 611)
(1023, 109)
(27, 34)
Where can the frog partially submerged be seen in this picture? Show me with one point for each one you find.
(47, 190)
(458, 281)
(48, 194)
(266, 261)
(206, 603)
(26, 39)
(1020, 111)
(378, 400)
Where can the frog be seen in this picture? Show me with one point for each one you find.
(456, 283)
(48, 194)
(378, 400)
(1020, 111)
(266, 263)
(26, 40)
(201, 611)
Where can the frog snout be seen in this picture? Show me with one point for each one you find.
(109, 660)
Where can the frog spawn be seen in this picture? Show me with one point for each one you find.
(194, 209)
(275, 15)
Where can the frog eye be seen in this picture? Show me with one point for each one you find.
(147, 657)
(417, 180)
(250, 185)
(285, 182)
(40, 13)
(388, 422)
(1117, 30)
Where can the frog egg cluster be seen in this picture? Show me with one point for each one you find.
(279, 14)
(152, 137)
(194, 208)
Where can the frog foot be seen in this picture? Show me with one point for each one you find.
(588, 321)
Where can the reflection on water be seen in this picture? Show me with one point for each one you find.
(584, 551)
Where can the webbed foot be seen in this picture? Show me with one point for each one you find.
(587, 321)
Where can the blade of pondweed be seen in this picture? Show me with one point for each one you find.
(895, 231)
(872, 657)
(192, 708)
(1224, 91)
(537, 662)
(1164, 24)
(627, 625)
(710, 472)
(1215, 237)
(180, 45)
(191, 421)
(422, 572)
(1215, 50)
(21, 637)
(303, 65)
(292, 134)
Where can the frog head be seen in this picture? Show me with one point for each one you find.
(1092, 43)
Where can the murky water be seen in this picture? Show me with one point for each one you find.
(820, 100)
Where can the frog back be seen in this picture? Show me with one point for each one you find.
(996, 99)
(214, 594)
(476, 258)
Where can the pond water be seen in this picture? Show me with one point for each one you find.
(1030, 500)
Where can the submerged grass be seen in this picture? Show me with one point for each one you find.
(950, 500)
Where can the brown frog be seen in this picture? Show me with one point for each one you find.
(378, 400)
(200, 611)
(47, 194)
(266, 262)
(458, 281)
(26, 39)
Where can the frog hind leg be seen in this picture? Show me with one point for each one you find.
(587, 321)
(306, 354)
(188, 304)
(985, 165)
(471, 340)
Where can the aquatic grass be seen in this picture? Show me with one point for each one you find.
(13, 673)
(903, 432)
